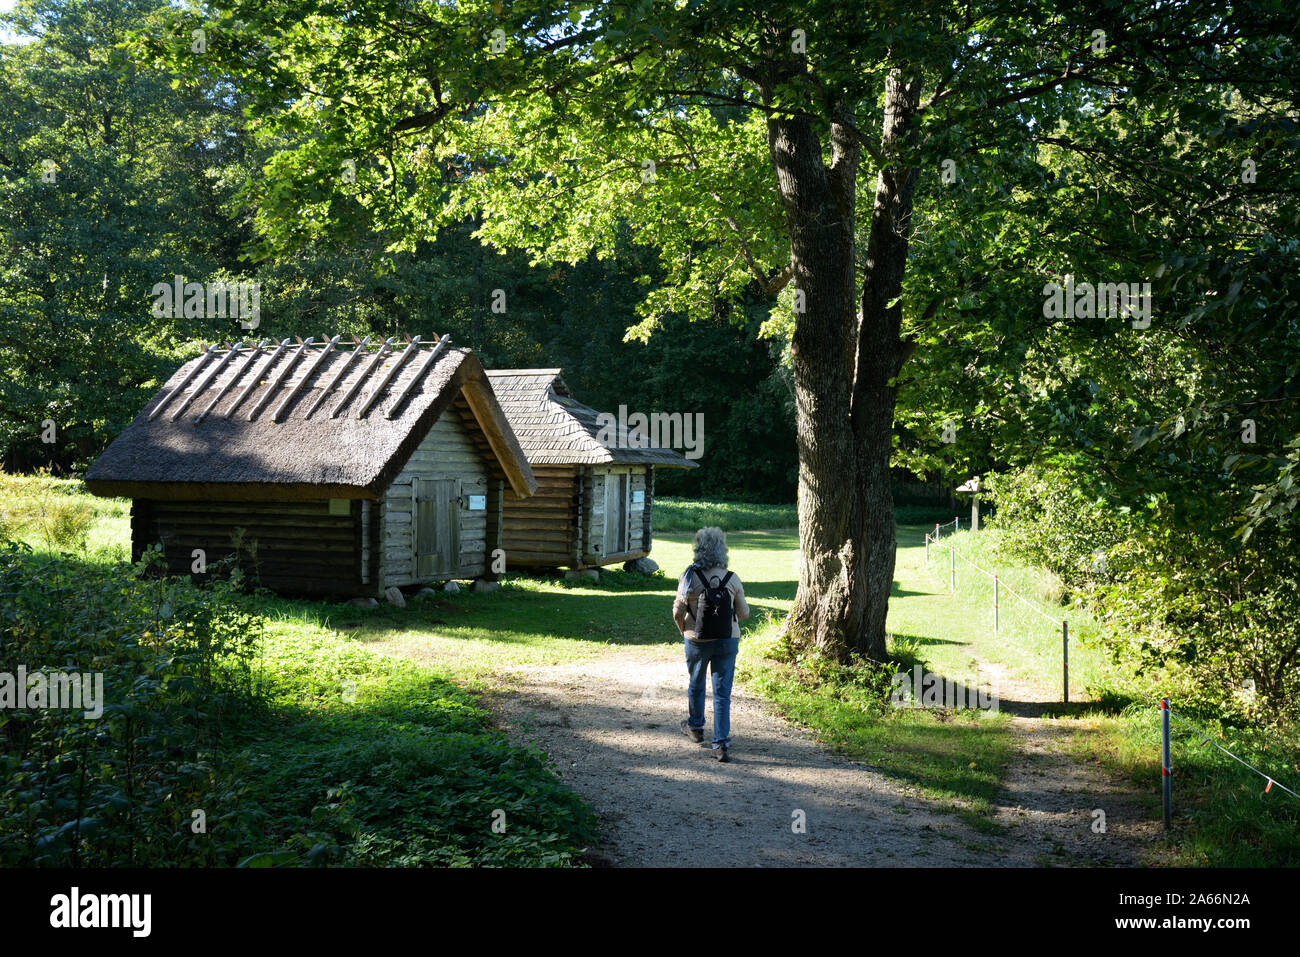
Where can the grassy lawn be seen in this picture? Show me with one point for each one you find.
(1222, 816)
(1028, 637)
(410, 717)
(534, 620)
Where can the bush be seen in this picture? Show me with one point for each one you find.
(1216, 619)
(1197, 613)
(1045, 520)
(175, 664)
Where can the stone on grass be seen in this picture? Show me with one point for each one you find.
(451, 587)
(645, 566)
(395, 596)
(482, 584)
(574, 573)
(363, 602)
(426, 592)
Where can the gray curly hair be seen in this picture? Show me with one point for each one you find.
(711, 548)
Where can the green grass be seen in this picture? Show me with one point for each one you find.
(415, 669)
(539, 620)
(686, 515)
(30, 503)
(1221, 815)
(1028, 636)
(395, 762)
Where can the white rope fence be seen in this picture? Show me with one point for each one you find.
(1166, 771)
(998, 587)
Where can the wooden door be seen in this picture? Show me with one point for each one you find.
(616, 495)
(437, 528)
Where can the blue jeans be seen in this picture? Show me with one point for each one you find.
(721, 654)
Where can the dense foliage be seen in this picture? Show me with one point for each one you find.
(1210, 620)
(220, 743)
(115, 176)
(176, 669)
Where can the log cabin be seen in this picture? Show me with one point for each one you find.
(325, 469)
(594, 496)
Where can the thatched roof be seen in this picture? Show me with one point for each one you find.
(556, 429)
(301, 420)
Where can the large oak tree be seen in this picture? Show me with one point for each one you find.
(786, 148)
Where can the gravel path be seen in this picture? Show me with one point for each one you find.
(611, 726)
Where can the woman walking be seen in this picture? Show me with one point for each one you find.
(708, 610)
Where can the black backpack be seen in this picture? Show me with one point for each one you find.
(713, 620)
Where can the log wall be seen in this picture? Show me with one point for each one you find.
(541, 531)
(294, 548)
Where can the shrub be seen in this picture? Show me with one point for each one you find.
(1216, 619)
(175, 661)
(1194, 611)
(1045, 520)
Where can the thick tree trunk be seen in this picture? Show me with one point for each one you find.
(844, 365)
(881, 353)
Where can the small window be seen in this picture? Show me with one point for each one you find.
(340, 506)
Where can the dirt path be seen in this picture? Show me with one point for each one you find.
(611, 726)
(1046, 792)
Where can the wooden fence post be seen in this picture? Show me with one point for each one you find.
(1166, 772)
(1065, 662)
(995, 605)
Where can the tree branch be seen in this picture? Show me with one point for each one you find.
(770, 285)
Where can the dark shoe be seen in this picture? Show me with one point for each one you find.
(695, 734)
(723, 754)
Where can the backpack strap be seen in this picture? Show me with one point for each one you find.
(723, 584)
(700, 575)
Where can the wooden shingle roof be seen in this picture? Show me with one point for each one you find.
(554, 428)
(249, 420)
